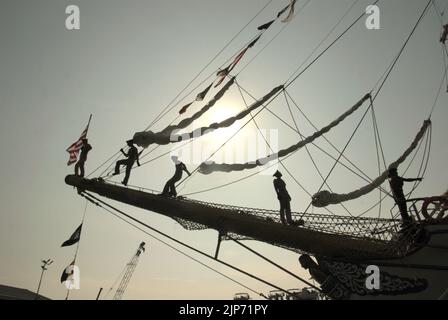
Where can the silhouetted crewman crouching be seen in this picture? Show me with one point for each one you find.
(170, 186)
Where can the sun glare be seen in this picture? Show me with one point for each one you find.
(222, 113)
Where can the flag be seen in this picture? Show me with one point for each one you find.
(444, 35)
(225, 72)
(201, 96)
(74, 238)
(291, 11)
(184, 108)
(254, 42)
(266, 25)
(282, 11)
(237, 59)
(74, 149)
(222, 74)
(67, 272)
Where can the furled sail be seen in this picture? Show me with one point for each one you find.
(325, 198)
(210, 167)
(144, 139)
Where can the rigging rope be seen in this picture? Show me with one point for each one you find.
(272, 150)
(205, 81)
(308, 66)
(213, 74)
(444, 55)
(383, 81)
(270, 41)
(286, 85)
(269, 146)
(308, 152)
(324, 198)
(424, 164)
(363, 175)
(369, 180)
(169, 133)
(439, 91)
(386, 75)
(404, 173)
(328, 35)
(408, 195)
(376, 94)
(175, 249)
(316, 129)
(294, 78)
(402, 49)
(101, 203)
(211, 61)
(210, 167)
(273, 263)
(163, 113)
(378, 162)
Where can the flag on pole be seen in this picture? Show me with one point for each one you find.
(282, 11)
(222, 74)
(67, 272)
(225, 72)
(266, 25)
(201, 96)
(237, 59)
(74, 149)
(184, 108)
(74, 238)
(291, 11)
(444, 35)
(254, 42)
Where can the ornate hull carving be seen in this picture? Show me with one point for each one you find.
(422, 275)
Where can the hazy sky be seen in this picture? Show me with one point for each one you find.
(127, 61)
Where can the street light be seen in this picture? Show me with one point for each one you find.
(44, 265)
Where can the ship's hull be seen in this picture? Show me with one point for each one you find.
(429, 264)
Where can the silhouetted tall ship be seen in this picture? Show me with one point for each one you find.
(336, 249)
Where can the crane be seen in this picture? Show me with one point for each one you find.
(130, 267)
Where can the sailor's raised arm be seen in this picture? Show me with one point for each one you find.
(124, 153)
(186, 170)
(411, 179)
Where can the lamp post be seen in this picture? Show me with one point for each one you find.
(44, 265)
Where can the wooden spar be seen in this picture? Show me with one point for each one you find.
(234, 221)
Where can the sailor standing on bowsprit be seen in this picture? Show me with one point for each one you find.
(396, 185)
(132, 156)
(170, 186)
(284, 198)
(79, 166)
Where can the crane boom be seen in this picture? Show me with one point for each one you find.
(130, 267)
